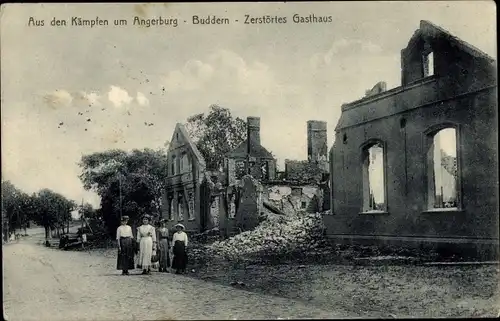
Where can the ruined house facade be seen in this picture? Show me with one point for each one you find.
(186, 172)
(418, 164)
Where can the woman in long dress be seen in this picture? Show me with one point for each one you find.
(179, 244)
(146, 237)
(163, 246)
(126, 251)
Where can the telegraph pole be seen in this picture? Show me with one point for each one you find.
(120, 188)
(82, 218)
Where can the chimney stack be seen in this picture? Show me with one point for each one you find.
(253, 132)
(317, 145)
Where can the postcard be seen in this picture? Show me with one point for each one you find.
(253, 160)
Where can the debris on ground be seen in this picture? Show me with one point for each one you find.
(277, 235)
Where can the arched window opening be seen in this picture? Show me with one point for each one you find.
(374, 198)
(443, 185)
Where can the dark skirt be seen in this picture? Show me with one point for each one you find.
(125, 260)
(180, 256)
(164, 255)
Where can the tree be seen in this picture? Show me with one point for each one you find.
(216, 134)
(51, 210)
(46, 208)
(128, 183)
(9, 204)
(27, 209)
(16, 208)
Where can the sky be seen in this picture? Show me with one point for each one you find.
(71, 91)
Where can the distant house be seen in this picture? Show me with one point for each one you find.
(418, 164)
(186, 168)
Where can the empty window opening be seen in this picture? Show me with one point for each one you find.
(232, 206)
(402, 123)
(443, 187)
(172, 166)
(264, 170)
(191, 207)
(180, 209)
(185, 163)
(240, 169)
(428, 61)
(374, 178)
(171, 209)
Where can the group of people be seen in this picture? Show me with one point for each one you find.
(150, 243)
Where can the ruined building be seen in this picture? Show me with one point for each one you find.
(248, 197)
(236, 198)
(186, 169)
(317, 144)
(250, 157)
(316, 166)
(243, 196)
(418, 164)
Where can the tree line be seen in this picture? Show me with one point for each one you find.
(45, 208)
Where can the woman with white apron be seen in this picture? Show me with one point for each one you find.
(146, 237)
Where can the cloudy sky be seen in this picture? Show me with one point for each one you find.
(71, 91)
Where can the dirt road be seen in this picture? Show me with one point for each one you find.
(48, 284)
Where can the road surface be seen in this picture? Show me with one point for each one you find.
(49, 284)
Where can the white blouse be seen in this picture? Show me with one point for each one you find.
(180, 236)
(124, 231)
(146, 231)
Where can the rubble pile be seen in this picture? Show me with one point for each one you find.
(278, 235)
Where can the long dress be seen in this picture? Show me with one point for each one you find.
(146, 235)
(180, 242)
(125, 260)
(163, 249)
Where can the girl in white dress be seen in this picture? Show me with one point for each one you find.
(146, 237)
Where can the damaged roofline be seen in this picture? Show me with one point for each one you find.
(385, 94)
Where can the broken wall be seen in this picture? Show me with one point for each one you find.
(292, 199)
